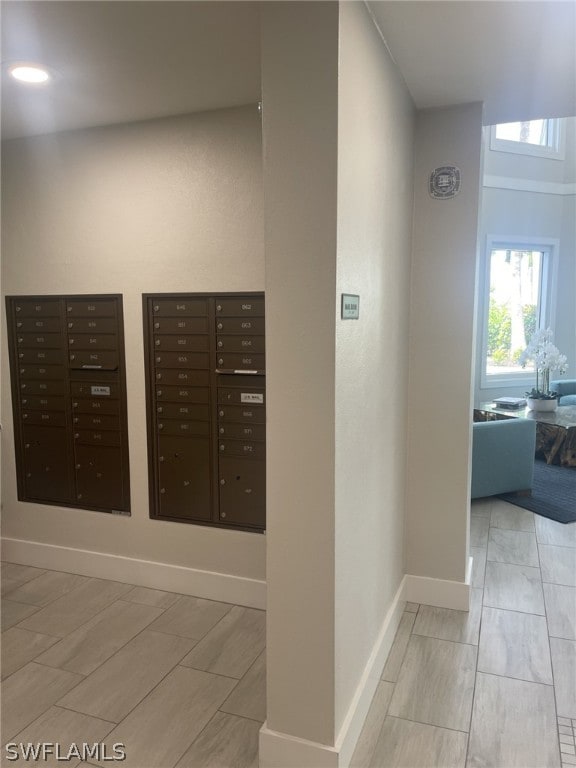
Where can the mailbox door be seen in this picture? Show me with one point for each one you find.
(184, 477)
(242, 488)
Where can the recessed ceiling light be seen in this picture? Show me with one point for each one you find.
(29, 73)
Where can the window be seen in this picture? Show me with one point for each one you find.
(540, 138)
(518, 301)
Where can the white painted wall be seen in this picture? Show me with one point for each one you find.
(549, 214)
(441, 345)
(300, 126)
(166, 205)
(375, 189)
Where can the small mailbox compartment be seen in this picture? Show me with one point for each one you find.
(99, 480)
(184, 478)
(242, 487)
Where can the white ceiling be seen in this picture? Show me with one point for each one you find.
(519, 57)
(119, 61)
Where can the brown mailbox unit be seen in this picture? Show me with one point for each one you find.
(69, 400)
(206, 408)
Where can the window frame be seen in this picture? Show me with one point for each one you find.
(547, 301)
(554, 150)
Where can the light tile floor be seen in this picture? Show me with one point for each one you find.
(496, 686)
(181, 680)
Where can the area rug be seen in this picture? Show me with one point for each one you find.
(553, 493)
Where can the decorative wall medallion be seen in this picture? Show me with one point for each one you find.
(444, 182)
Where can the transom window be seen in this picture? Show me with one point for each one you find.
(541, 138)
(518, 282)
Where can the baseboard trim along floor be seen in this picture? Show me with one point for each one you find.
(210, 585)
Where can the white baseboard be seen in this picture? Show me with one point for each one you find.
(358, 709)
(143, 573)
(280, 750)
(439, 592)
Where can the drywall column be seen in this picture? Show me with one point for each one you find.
(441, 350)
(300, 121)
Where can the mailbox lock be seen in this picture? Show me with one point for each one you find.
(18, 309)
(157, 342)
(156, 325)
(222, 447)
(220, 413)
(162, 490)
(156, 308)
(222, 482)
(219, 308)
(186, 482)
(222, 430)
(222, 514)
(160, 426)
(220, 326)
(248, 490)
(160, 458)
(78, 466)
(220, 344)
(158, 375)
(24, 415)
(221, 361)
(76, 435)
(79, 496)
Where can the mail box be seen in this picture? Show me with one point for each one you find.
(69, 393)
(37, 308)
(38, 324)
(95, 421)
(241, 413)
(42, 372)
(93, 360)
(30, 402)
(180, 324)
(242, 492)
(241, 362)
(183, 411)
(92, 341)
(246, 324)
(184, 483)
(185, 394)
(240, 343)
(40, 387)
(239, 307)
(99, 477)
(180, 307)
(94, 324)
(243, 431)
(91, 308)
(48, 418)
(42, 356)
(40, 339)
(205, 400)
(175, 427)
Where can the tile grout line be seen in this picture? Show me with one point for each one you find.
(550, 652)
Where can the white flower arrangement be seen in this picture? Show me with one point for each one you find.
(546, 358)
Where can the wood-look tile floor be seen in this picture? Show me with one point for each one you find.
(495, 687)
(178, 680)
(181, 680)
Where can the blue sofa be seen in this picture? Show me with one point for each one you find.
(566, 389)
(502, 456)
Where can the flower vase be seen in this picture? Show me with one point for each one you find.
(542, 406)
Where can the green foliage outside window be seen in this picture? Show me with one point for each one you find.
(500, 332)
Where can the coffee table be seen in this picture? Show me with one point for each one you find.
(555, 430)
